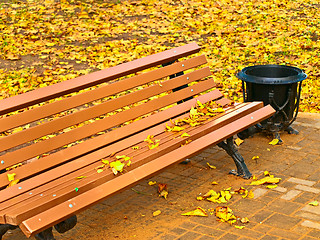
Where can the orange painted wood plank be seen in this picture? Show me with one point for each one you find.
(92, 112)
(50, 109)
(73, 135)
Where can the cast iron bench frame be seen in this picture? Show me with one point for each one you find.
(46, 195)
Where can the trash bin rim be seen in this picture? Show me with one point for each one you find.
(242, 75)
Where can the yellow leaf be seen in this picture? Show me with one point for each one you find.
(151, 183)
(135, 148)
(200, 104)
(156, 213)
(266, 173)
(99, 170)
(176, 129)
(80, 177)
(197, 212)
(211, 166)
(239, 227)
(274, 142)
(117, 165)
(153, 146)
(272, 186)
(218, 110)
(13, 182)
(200, 198)
(225, 214)
(266, 180)
(314, 203)
(11, 176)
(105, 161)
(129, 163)
(255, 157)
(214, 183)
(164, 193)
(238, 141)
(250, 194)
(185, 135)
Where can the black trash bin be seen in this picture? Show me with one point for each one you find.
(277, 85)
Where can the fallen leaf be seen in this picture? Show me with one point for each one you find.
(211, 166)
(151, 183)
(255, 157)
(225, 214)
(156, 213)
(238, 141)
(99, 170)
(272, 186)
(185, 135)
(11, 176)
(13, 182)
(314, 203)
(274, 142)
(80, 177)
(214, 183)
(117, 165)
(163, 190)
(266, 180)
(197, 212)
(239, 227)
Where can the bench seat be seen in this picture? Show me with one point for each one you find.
(64, 137)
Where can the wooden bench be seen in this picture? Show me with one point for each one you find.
(57, 140)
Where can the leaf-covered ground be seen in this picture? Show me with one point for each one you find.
(47, 41)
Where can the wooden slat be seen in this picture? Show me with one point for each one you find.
(82, 82)
(64, 210)
(88, 146)
(29, 152)
(63, 192)
(95, 111)
(60, 177)
(98, 93)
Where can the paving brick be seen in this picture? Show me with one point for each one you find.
(178, 231)
(189, 235)
(284, 234)
(268, 237)
(283, 206)
(261, 215)
(314, 233)
(229, 236)
(309, 216)
(280, 189)
(188, 225)
(212, 232)
(282, 221)
(301, 181)
(290, 195)
(258, 192)
(247, 205)
(311, 224)
(312, 209)
(308, 189)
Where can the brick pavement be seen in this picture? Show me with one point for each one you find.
(279, 213)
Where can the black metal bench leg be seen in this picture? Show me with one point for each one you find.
(66, 225)
(5, 227)
(45, 235)
(61, 227)
(231, 149)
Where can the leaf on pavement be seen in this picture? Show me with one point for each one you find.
(197, 212)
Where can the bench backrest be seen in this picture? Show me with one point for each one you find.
(51, 125)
